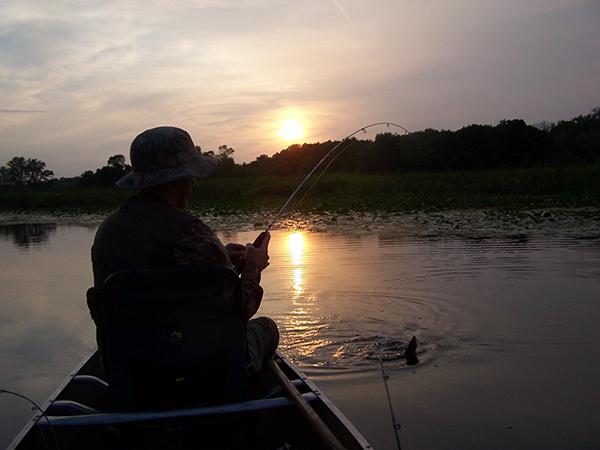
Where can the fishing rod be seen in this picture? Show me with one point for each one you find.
(395, 423)
(262, 235)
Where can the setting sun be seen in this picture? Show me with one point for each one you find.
(291, 130)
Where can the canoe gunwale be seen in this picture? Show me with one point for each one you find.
(310, 392)
(37, 418)
(335, 412)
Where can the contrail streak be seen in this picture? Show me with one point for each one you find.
(21, 111)
(336, 3)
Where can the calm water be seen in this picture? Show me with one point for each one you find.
(509, 329)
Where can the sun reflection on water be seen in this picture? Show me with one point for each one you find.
(296, 247)
(297, 287)
(303, 326)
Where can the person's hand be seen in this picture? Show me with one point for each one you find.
(236, 255)
(235, 252)
(258, 255)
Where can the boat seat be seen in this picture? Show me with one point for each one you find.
(174, 337)
(174, 415)
(69, 408)
(90, 380)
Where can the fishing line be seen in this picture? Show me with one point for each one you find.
(261, 236)
(395, 423)
(331, 152)
(320, 175)
(35, 406)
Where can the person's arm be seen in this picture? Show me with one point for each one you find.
(198, 245)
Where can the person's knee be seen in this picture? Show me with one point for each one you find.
(274, 333)
(268, 325)
(267, 329)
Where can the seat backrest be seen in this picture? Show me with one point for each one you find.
(174, 337)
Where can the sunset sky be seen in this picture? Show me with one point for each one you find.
(80, 79)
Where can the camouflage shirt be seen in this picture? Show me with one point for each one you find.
(197, 244)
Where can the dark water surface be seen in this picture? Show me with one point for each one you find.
(508, 325)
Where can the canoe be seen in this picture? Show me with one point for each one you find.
(290, 413)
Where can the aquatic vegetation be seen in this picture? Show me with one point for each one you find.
(344, 194)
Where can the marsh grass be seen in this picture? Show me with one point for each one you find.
(515, 189)
(63, 200)
(504, 190)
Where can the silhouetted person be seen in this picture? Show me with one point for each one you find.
(151, 230)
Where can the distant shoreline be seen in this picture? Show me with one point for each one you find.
(510, 190)
(576, 223)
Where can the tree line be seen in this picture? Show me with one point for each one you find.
(509, 144)
(25, 172)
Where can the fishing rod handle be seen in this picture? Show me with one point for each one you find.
(239, 267)
(258, 242)
(260, 239)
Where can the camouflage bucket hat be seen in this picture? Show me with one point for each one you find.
(164, 154)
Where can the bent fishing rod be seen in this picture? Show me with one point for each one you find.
(332, 153)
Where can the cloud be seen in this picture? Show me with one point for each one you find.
(79, 80)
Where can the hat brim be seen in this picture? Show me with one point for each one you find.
(199, 168)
